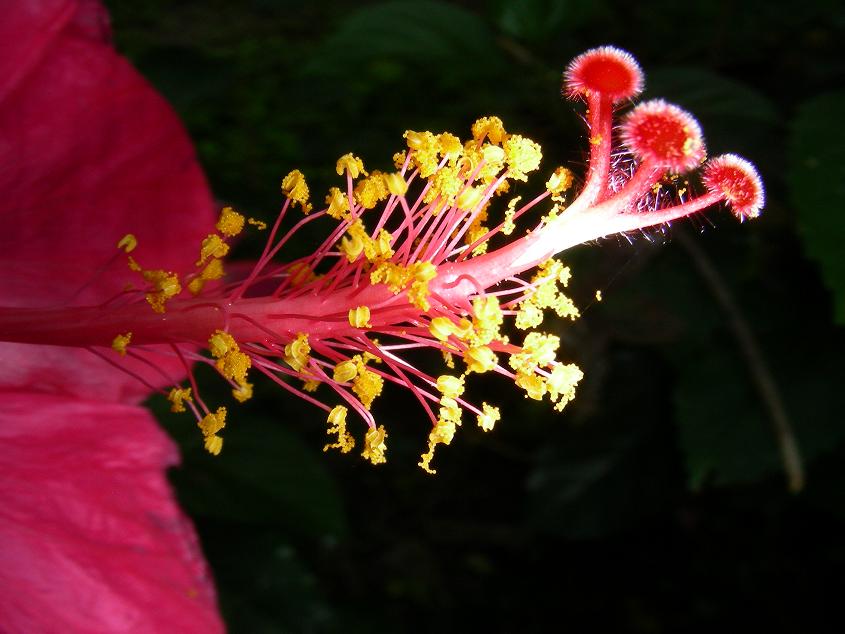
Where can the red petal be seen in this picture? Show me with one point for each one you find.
(88, 152)
(91, 539)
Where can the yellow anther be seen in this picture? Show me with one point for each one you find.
(337, 425)
(394, 275)
(480, 359)
(493, 155)
(399, 159)
(212, 271)
(523, 156)
(165, 286)
(243, 392)
(449, 145)
(425, 271)
(560, 180)
(534, 386)
(133, 265)
(351, 246)
(374, 445)
(448, 359)
(295, 188)
(598, 296)
(510, 212)
(488, 417)
(311, 385)
(371, 191)
(338, 203)
(541, 348)
(426, 148)
(220, 342)
(297, 352)
(258, 224)
(396, 184)
(212, 247)
(128, 243)
(120, 342)
(490, 127)
(345, 371)
(367, 386)
(213, 422)
(360, 317)
(300, 274)
(178, 396)
(213, 444)
(470, 197)
(441, 327)
(353, 165)
(380, 247)
(442, 433)
(450, 386)
(487, 318)
(562, 382)
(230, 223)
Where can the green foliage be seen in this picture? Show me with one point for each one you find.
(817, 177)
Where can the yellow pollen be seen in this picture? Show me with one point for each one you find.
(371, 191)
(230, 223)
(177, 397)
(450, 386)
(338, 204)
(441, 327)
(212, 247)
(128, 243)
(374, 445)
(367, 386)
(165, 286)
(243, 392)
(490, 127)
(120, 342)
(213, 444)
(337, 425)
(210, 425)
(488, 417)
(353, 165)
(523, 156)
(480, 359)
(559, 181)
(296, 189)
(259, 224)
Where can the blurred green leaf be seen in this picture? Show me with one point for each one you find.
(267, 586)
(384, 39)
(288, 486)
(817, 179)
(735, 115)
(539, 20)
(725, 430)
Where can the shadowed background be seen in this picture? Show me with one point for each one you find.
(657, 501)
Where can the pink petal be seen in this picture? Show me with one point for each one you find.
(91, 539)
(88, 152)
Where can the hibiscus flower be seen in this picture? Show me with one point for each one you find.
(91, 537)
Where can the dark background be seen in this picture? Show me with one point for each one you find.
(657, 502)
